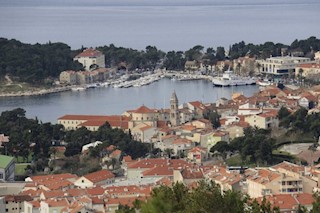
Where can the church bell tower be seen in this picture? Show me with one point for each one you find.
(174, 111)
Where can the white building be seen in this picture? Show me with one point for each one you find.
(281, 65)
(91, 59)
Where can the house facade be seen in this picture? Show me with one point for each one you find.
(281, 65)
(91, 59)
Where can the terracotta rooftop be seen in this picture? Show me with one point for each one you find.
(162, 170)
(223, 176)
(143, 109)
(89, 53)
(182, 141)
(98, 176)
(289, 167)
(98, 190)
(288, 201)
(198, 104)
(17, 198)
(262, 176)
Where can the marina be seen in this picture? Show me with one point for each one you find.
(106, 100)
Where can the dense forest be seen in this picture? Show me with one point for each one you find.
(30, 138)
(36, 63)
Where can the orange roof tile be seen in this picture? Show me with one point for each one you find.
(288, 201)
(127, 158)
(98, 176)
(98, 190)
(89, 53)
(163, 170)
(143, 110)
(182, 141)
(116, 153)
(53, 194)
(57, 203)
(262, 176)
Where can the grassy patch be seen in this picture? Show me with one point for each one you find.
(279, 152)
(20, 169)
(234, 160)
(21, 159)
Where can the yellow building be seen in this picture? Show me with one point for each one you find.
(214, 138)
(142, 115)
(263, 120)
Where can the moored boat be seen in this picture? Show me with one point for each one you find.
(230, 79)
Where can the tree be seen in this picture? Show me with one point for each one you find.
(194, 53)
(220, 53)
(214, 118)
(125, 209)
(222, 147)
(174, 60)
(283, 113)
(316, 203)
(165, 199)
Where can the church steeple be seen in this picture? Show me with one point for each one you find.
(174, 111)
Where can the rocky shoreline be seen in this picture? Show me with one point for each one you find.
(37, 92)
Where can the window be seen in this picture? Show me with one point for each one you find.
(1, 175)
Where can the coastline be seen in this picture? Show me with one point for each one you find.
(36, 92)
(40, 92)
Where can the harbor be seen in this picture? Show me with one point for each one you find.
(106, 100)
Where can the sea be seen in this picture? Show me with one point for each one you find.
(115, 101)
(166, 24)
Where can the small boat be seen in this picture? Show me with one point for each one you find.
(264, 83)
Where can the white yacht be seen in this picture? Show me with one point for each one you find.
(230, 79)
(264, 83)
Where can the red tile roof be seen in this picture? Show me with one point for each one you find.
(198, 105)
(90, 53)
(97, 120)
(98, 190)
(143, 110)
(127, 158)
(116, 153)
(162, 170)
(99, 176)
(53, 194)
(198, 149)
(57, 203)
(288, 201)
(182, 141)
(190, 173)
